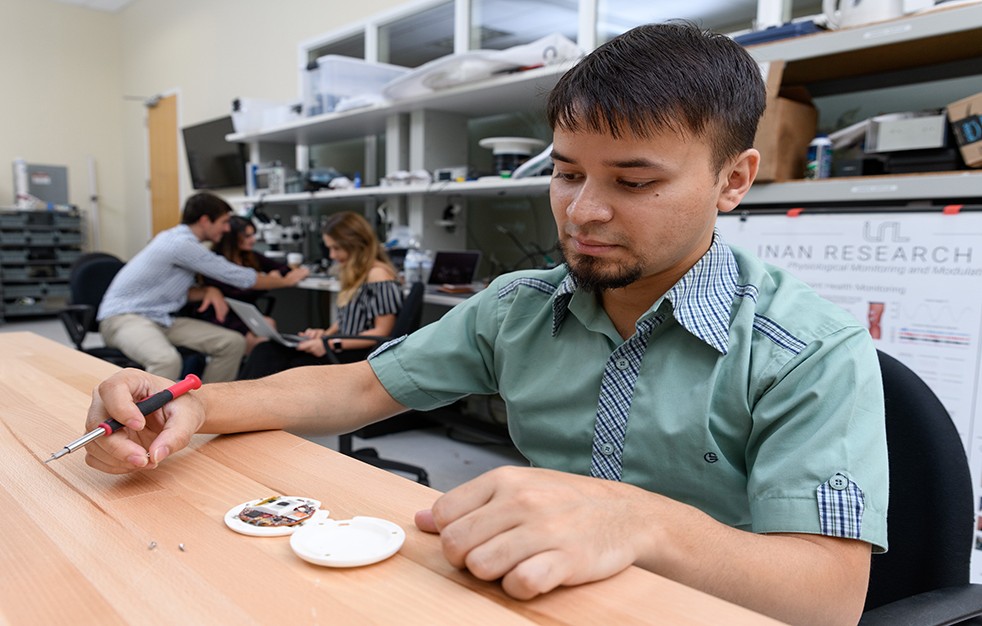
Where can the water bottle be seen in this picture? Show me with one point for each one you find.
(412, 267)
(819, 161)
(21, 195)
(426, 266)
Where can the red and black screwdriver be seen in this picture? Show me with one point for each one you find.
(147, 406)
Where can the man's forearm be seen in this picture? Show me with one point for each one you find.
(272, 280)
(197, 294)
(797, 578)
(324, 399)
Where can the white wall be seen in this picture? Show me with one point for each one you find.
(67, 69)
(60, 67)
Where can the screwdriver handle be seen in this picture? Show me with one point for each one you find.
(157, 400)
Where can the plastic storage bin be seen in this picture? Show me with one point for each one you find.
(13, 256)
(335, 81)
(13, 220)
(250, 115)
(67, 256)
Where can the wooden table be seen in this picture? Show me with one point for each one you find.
(75, 542)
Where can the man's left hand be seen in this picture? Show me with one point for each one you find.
(214, 298)
(536, 529)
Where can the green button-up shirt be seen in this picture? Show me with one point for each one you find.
(742, 392)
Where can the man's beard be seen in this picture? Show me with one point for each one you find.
(596, 275)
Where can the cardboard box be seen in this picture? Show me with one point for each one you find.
(965, 117)
(787, 127)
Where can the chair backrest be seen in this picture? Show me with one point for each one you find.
(931, 512)
(90, 278)
(411, 314)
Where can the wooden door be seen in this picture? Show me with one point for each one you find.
(164, 182)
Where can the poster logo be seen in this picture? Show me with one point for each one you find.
(884, 231)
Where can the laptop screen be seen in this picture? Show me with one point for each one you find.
(454, 268)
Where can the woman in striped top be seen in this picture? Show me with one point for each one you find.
(370, 298)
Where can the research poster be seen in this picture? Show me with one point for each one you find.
(913, 279)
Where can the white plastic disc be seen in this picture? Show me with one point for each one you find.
(511, 145)
(274, 516)
(347, 543)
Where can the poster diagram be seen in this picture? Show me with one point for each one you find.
(914, 279)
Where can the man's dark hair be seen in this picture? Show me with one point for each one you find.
(658, 77)
(206, 204)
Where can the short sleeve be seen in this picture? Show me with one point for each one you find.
(817, 458)
(443, 361)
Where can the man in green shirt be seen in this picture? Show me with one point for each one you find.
(684, 407)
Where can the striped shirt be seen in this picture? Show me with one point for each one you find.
(371, 301)
(156, 281)
(741, 392)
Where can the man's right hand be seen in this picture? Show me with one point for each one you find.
(295, 275)
(144, 442)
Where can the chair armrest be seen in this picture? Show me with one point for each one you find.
(77, 319)
(949, 605)
(331, 355)
(375, 338)
(265, 304)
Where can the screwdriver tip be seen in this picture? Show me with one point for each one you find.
(57, 455)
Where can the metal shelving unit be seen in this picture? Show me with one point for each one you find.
(943, 43)
(954, 186)
(940, 44)
(487, 187)
(523, 91)
(37, 249)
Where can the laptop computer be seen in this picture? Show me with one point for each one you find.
(254, 319)
(453, 269)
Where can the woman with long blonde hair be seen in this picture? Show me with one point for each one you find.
(370, 298)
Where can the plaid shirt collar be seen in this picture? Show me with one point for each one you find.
(701, 299)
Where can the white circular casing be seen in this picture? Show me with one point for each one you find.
(512, 145)
(347, 543)
(288, 508)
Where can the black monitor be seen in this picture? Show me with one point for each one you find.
(214, 162)
(456, 267)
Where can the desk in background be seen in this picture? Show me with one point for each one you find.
(320, 283)
(75, 541)
(438, 301)
(333, 285)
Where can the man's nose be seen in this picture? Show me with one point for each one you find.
(588, 205)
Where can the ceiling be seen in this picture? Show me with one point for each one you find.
(691, 7)
(428, 34)
(110, 6)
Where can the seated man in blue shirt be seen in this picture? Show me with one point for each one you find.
(685, 407)
(137, 311)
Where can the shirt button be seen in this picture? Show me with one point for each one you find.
(838, 482)
(621, 364)
(607, 449)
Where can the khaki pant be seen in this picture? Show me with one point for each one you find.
(154, 346)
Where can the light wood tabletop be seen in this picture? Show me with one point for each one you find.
(82, 547)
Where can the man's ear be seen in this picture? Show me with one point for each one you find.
(737, 178)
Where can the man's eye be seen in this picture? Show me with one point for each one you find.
(636, 184)
(564, 175)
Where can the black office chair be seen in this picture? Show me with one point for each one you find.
(88, 281)
(924, 577)
(408, 320)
